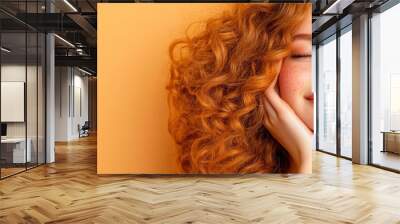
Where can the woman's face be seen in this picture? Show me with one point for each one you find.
(295, 84)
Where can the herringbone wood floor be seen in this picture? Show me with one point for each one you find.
(69, 191)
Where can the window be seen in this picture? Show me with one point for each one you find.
(346, 92)
(385, 89)
(327, 96)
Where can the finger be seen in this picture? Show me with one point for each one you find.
(277, 72)
(279, 105)
(273, 84)
(271, 90)
(270, 111)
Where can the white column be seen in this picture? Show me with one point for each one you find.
(50, 92)
(360, 90)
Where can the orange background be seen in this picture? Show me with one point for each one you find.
(133, 65)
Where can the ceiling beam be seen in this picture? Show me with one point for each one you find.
(82, 61)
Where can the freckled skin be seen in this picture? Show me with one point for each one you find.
(295, 81)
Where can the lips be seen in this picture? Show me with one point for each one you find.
(310, 97)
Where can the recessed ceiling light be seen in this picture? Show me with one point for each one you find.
(64, 40)
(337, 7)
(70, 5)
(84, 71)
(5, 50)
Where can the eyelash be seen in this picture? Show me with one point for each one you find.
(301, 56)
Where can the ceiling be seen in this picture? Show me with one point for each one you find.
(76, 22)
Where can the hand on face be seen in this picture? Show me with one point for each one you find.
(289, 113)
(288, 129)
(295, 80)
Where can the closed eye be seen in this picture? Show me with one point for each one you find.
(295, 56)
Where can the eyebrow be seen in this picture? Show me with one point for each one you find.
(302, 37)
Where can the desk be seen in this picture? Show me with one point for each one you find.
(17, 151)
(391, 141)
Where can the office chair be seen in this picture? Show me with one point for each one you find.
(84, 130)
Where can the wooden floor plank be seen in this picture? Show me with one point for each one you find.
(70, 191)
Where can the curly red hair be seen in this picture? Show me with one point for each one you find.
(217, 80)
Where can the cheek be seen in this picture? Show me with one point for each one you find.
(294, 86)
(292, 82)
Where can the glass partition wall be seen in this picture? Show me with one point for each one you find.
(345, 62)
(22, 99)
(334, 101)
(334, 105)
(13, 89)
(327, 95)
(385, 90)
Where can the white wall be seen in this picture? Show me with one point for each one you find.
(62, 82)
(33, 127)
(16, 72)
(71, 92)
(79, 117)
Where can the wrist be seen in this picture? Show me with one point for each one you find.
(302, 161)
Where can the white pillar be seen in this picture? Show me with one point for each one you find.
(50, 92)
(360, 90)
